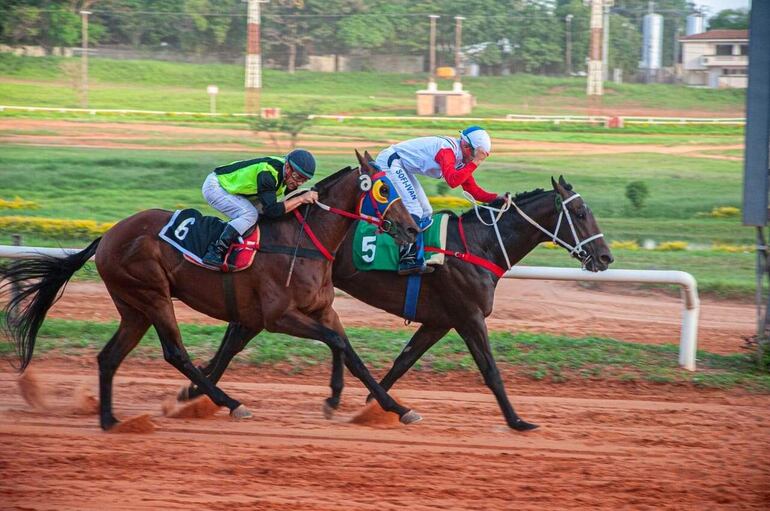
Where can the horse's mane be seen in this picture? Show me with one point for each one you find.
(519, 198)
(328, 181)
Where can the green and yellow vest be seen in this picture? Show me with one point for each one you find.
(240, 177)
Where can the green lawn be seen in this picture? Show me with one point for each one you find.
(107, 185)
(154, 85)
(538, 356)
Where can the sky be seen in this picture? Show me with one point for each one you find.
(714, 6)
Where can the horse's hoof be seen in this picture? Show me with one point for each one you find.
(241, 413)
(328, 411)
(410, 417)
(183, 394)
(521, 425)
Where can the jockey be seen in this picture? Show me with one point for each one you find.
(454, 160)
(230, 187)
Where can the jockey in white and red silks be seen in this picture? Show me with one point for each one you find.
(438, 157)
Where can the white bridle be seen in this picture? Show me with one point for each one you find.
(576, 249)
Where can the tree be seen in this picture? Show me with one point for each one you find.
(293, 123)
(735, 19)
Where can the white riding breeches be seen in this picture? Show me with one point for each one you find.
(241, 212)
(409, 188)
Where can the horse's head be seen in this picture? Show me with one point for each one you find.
(577, 228)
(381, 200)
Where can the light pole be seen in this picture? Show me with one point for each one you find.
(84, 59)
(253, 57)
(432, 57)
(458, 85)
(568, 52)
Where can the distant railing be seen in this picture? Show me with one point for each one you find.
(553, 119)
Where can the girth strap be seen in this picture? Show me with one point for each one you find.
(307, 253)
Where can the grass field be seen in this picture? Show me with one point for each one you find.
(153, 85)
(106, 185)
(537, 356)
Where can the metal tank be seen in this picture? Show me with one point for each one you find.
(696, 24)
(652, 42)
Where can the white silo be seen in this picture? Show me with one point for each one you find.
(652, 42)
(695, 24)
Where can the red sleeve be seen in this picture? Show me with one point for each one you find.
(454, 178)
(478, 192)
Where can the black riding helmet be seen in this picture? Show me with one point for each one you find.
(302, 161)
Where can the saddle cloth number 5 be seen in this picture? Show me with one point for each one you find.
(368, 248)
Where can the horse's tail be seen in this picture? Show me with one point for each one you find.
(28, 306)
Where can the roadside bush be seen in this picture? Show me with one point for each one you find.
(672, 246)
(448, 202)
(53, 227)
(637, 192)
(624, 245)
(18, 203)
(722, 212)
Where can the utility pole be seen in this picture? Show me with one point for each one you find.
(568, 52)
(595, 85)
(458, 85)
(432, 80)
(84, 59)
(253, 57)
(606, 42)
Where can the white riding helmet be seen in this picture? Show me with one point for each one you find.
(477, 137)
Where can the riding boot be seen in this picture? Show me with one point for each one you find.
(412, 258)
(215, 253)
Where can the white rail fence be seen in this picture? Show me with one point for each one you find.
(552, 119)
(688, 339)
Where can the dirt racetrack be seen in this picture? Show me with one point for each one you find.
(600, 446)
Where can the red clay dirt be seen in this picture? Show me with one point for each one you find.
(600, 446)
(534, 306)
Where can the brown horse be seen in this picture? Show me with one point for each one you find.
(460, 294)
(142, 274)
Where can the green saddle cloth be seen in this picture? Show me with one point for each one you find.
(372, 251)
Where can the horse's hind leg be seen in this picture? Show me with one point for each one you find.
(298, 324)
(235, 339)
(133, 325)
(175, 354)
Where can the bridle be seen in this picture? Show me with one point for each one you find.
(575, 250)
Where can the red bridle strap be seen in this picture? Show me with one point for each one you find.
(467, 256)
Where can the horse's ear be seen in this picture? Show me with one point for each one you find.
(368, 156)
(558, 186)
(362, 161)
(563, 182)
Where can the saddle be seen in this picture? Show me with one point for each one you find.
(372, 251)
(190, 232)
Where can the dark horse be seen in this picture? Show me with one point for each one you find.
(460, 294)
(142, 274)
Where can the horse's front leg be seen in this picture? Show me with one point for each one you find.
(235, 339)
(330, 332)
(474, 333)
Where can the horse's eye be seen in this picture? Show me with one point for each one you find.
(581, 213)
(385, 190)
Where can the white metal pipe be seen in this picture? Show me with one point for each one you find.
(12, 252)
(688, 340)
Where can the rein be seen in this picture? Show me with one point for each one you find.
(575, 250)
(365, 184)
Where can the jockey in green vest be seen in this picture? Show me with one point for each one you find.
(231, 189)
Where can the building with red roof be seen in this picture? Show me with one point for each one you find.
(717, 58)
